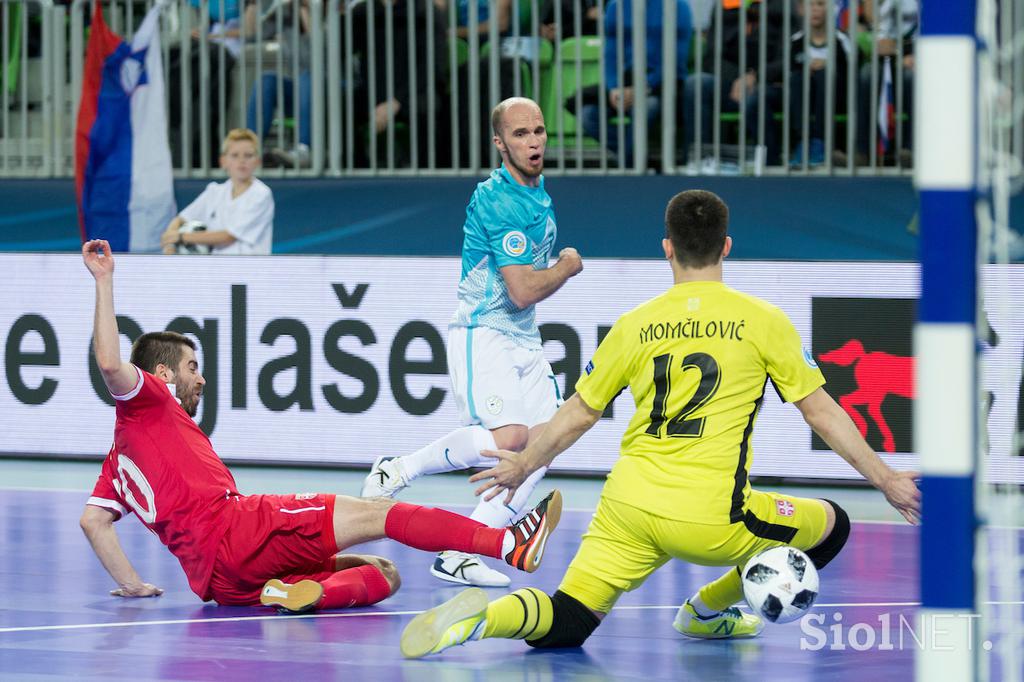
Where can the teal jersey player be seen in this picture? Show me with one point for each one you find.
(503, 387)
(506, 224)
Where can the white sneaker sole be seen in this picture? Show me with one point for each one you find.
(424, 632)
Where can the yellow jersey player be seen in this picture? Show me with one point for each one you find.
(697, 360)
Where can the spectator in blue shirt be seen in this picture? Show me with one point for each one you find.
(621, 96)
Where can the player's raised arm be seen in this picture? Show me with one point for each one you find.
(831, 422)
(120, 377)
(527, 286)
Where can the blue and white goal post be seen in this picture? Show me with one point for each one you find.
(945, 345)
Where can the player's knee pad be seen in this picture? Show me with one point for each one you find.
(828, 548)
(571, 623)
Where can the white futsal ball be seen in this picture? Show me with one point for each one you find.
(194, 249)
(780, 584)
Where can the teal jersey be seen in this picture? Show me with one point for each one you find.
(506, 224)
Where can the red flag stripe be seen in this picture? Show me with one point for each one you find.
(102, 43)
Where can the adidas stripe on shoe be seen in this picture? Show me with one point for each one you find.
(531, 533)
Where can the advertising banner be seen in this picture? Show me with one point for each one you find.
(338, 360)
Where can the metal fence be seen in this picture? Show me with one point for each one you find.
(404, 87)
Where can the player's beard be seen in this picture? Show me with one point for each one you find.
(525, 168)
(189, 396)
(522, 163)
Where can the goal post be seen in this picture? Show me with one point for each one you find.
(946, 408)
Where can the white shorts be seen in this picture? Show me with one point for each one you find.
(497, 382)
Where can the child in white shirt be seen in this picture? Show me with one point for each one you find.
(238, 213)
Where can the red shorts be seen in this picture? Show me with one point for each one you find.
(289, 537)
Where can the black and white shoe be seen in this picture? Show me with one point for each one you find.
(467, 569)
(385, 479)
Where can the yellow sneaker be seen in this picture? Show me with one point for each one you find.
(458, 620)
(729, 624)
(287, 598)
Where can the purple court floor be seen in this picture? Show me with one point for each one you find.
(58, 622)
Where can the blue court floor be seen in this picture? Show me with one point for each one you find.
(57, 621)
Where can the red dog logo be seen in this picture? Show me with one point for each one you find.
(877, 375)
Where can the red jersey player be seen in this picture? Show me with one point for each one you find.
(279, 550)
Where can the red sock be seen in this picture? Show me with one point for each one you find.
(359, 586)
(435, 530)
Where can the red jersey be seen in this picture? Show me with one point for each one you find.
(163, 467)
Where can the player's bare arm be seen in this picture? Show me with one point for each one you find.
(527, 286)
(98, 525)
(831, 422)
(120, 377)
(573, 419)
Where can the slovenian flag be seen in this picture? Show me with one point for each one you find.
(122, 160)
(842, 15)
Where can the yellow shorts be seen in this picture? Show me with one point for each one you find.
(625, 544)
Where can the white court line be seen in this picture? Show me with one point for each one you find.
(237, 619)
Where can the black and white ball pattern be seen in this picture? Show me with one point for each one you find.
(194, 249)
(780, 584)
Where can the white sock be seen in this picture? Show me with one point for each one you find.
(508, 544)
(458, 450)
(701, 608)
(496, 513)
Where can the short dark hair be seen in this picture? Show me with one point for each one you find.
(159, 348)
(696, 222)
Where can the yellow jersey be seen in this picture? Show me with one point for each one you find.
(696, 359)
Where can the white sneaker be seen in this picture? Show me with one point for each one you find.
(296, 157)
(467, 569)
(386, 478)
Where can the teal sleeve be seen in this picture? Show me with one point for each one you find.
(506, 238)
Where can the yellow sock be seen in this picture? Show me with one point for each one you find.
(724, 592)
(524, 614)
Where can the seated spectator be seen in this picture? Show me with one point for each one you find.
(238, 213)
(502, 15)
(511, 54)
(399, 108)
(261, 18)
(735, 86)
(894, 20)
(621, 95)
(223, 47)
(816, 56)
(566, 21)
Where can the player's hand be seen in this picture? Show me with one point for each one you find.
(901, 492)
(346, 561)
(508, 474)
(140, 590)
(98, 258)
(572, 260)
